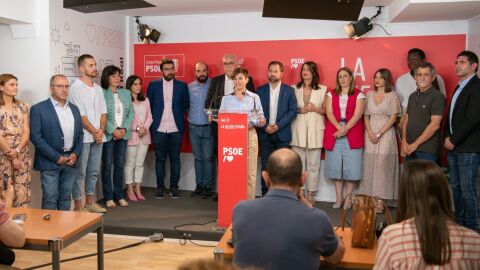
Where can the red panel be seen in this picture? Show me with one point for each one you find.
(232, 164)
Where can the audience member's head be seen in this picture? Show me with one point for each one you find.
(471, 57)
(230, 63)
(134, 84)
(87, 65)
(309, 75)
(385, 75)
(425, 76)
(204, 264)
(424, 195)
(284, 168)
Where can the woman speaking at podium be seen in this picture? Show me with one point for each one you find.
(244, 100)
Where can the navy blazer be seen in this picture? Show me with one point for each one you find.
(47, 135)
(286, 111)
(180, 103)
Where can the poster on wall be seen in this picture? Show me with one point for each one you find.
(363, 56)
(74, 33)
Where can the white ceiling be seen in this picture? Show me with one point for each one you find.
(400, 10)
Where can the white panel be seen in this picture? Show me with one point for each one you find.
(21, 11)
(473, 37)
(73, 33)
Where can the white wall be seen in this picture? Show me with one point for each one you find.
(473, 36)
(252, 27)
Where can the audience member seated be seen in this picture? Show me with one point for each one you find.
(426, 236)
(295, 233)
(11, 235)
(206, 264)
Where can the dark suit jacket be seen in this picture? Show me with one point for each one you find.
(180, 103)
(466, 119)
(47, 136)
(217, 90)
(215, 93)
(286, 111)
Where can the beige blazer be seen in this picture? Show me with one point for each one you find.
(307, 129)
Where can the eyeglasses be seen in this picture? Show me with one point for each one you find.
(228, 63)
(63, 86)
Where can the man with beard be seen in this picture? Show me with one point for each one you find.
(200, 131)
(169, 101)
(421, 128)
(280, 108)
(220, 86)
(88, 96)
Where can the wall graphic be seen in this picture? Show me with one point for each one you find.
(73, 33)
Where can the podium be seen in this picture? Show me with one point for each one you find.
(232, 163)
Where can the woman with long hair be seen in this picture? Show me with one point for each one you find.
(426, 236)
(137, 144)
(243, 99)
(308, 126)
(380, 158)
(344, 135)
(117, 132)
(15, 158)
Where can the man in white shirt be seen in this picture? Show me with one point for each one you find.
(56, 131)
(88, 96)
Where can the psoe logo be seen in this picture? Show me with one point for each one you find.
(229, 153)
(296, 62)
(152, 64)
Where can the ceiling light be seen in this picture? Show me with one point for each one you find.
(362, 26)
(145, 33)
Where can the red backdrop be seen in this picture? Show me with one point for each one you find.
(364, 56)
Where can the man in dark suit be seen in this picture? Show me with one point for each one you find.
(462, 140)
(220, 86)
(280, 108)
(56, 130)
(169, 101)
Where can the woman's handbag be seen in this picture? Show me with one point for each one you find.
(364, 220)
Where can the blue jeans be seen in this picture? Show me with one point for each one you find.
(202, 149)
(267, 147)
(88, 167)
(113, 152)
(422, 155)
(464, 169)
(167, 144)
(57, 188)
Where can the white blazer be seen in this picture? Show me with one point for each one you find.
(307, 129)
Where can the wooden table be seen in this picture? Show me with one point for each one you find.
(353, 257)
(62, 229)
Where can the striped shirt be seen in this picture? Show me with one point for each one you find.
(399, 248)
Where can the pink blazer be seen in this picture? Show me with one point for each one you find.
(135, 139)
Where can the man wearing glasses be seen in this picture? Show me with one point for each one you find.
(56, 130)
(220, 86)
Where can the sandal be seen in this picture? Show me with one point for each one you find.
(380, 207)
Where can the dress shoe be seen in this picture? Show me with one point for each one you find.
(207, 193)
(132, 197)
(198, 191)
(110, 204)
(123, 203)
(215, 197)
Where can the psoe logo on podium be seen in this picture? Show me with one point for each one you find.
(152, 65)
(229, 153)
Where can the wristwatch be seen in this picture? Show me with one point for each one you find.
(137, 129)
(378, 135)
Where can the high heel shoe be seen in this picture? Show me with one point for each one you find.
(132, 197)
(139, 195)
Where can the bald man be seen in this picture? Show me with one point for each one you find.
(200, 131)
(295, 234)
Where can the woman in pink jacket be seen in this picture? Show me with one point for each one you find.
(140, 140)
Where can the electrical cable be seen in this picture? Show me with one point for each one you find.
(154, 238)
(184, 237)
(386, 32)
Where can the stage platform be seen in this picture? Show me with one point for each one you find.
(161, 216)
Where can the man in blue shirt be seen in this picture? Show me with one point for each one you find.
(295, 234)
(200, 131)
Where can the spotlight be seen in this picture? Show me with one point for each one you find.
(357, 29)
(145, 33)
